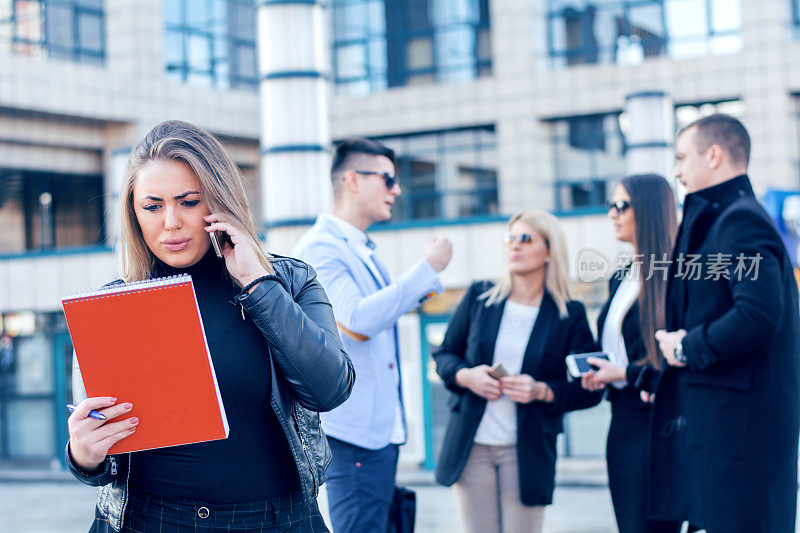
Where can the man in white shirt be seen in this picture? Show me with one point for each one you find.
(366, 431)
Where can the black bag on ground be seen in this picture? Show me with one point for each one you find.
(402, 513)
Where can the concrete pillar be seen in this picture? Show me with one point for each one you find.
(295, 133)
(651, 135)
(116, 164)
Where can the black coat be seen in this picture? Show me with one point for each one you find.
(469, 342)
(724, 430)
(628, 435)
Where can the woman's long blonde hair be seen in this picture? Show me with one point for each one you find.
(556, 280)
(220, 182)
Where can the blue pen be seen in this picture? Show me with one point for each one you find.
(92, 414)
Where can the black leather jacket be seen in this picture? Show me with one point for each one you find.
(310, 373)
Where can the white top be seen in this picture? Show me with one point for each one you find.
(498, 426)
(611, 338)
(366, 255)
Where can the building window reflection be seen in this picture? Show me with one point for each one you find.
(62, 29)
(43, 210)
(685, 114)
(630, 31)
(588, 155)
(377, 45)
(446, 174)
(211, 43)
(796, 16)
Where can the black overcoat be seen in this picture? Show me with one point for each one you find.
(724, 431)
(469, 342)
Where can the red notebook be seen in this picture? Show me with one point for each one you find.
(144, 343)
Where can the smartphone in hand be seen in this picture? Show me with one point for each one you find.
(578, 365)
(498, 371)
(218, 240)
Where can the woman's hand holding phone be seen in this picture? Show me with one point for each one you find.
(90, 438)
(478, 380)
(241, 258)
(606, 373)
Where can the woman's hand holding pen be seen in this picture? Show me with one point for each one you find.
(478, 380)
(241, 258)
(90, 438)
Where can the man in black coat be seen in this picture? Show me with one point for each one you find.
(724, 431)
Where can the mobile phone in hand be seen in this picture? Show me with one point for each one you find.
(498, 371)
(578, 364)
(218, 240)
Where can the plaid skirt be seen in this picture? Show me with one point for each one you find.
(152, 514)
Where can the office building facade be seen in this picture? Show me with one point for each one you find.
(492, 105)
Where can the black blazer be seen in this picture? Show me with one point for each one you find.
(725, 429)
(469, 342)
(637, 375)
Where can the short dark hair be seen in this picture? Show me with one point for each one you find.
(725, 131)
(352, 147)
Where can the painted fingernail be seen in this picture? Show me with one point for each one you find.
(112, 399)
(134, 421)
(128, 406)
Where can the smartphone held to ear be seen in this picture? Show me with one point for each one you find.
(578, 364)
(218, 240)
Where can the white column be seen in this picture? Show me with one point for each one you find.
(651, 135)
(116, 163)
(295, 133)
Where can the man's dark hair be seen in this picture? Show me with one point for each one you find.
(725, 131)
(352, 147)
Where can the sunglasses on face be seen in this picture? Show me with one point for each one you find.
(388, 179)
(523, 238)
(620, 206)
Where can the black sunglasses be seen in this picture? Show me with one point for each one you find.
(620, 206)
(523, 238)
(388, 179)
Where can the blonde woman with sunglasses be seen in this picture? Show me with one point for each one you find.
(499, 449)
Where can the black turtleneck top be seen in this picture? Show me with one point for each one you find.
(254, 462)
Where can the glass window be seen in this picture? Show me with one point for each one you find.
(44, 210)
(630, 31)
(65, 29)
(796, 14)
(588, 153)
(380, 44)
(685, 114)
(446, 174)
(211, 43)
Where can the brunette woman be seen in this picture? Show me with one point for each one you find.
(643, 213)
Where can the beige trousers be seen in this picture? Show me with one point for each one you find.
(488, 493)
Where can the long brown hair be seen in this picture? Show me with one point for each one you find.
(656, 223)
(220, 181)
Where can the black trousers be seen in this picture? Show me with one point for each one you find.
(626, 458)
(152, 514)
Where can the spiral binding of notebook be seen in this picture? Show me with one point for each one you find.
(135, 286)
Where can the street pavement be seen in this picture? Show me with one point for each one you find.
(52, 502)
(67, 507)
